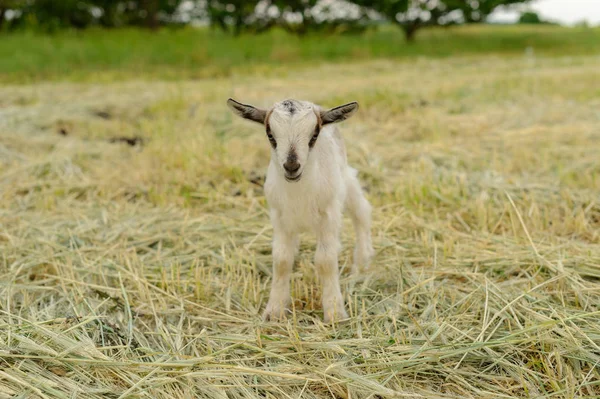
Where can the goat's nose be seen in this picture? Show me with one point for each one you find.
(291, 166)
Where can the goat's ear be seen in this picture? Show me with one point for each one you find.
(247, 111)
(339, 114)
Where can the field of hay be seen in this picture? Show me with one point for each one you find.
(141, 271)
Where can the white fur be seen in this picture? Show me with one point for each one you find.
(314, 203)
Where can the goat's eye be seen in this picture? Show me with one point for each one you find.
(272, 140)
(313, 139)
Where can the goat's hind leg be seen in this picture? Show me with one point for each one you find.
(326, 262)
(360, 212)
(285, 246)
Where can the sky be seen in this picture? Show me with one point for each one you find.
(566, 12)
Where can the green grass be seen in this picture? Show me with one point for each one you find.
(198, 53)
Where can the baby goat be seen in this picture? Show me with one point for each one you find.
(307, 186)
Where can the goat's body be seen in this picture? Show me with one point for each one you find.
(324, 184)
(308, 185)
(315, 204)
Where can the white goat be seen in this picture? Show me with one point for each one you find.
(308, 183)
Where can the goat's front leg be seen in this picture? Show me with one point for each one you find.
(326, 262)
(285, 245)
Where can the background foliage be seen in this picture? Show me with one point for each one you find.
(253, 16)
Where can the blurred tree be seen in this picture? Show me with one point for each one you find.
(301, 16)
(479, 10)
(151, 13)
(295, 16)
(254, 16)
(411, 15)
(530, 17)
(147, 13)
(6, 5)
(52, 15)
(235, 15)
(111, 13)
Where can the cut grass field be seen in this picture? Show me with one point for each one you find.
(141, 271)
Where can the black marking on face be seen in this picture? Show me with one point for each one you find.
(290, 106)
(270, 137)
(314, 137)
(292, 156)
(291, 164)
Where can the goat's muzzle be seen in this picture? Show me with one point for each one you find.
(292, 167)
(294, 178)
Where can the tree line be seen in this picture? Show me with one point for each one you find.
(246, 16)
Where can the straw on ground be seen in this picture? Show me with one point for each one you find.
(141, 271)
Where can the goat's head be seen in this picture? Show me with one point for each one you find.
(293, 128)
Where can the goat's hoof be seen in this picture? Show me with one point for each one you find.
(362, 260)
(335, 316)
(275, 312)
(357, 269)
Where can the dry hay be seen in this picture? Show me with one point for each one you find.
(141, 271)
